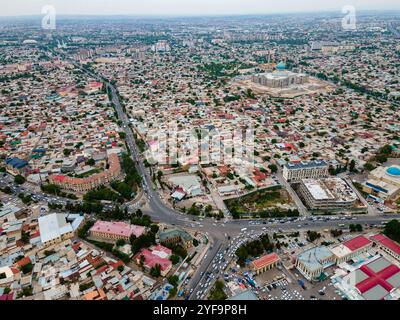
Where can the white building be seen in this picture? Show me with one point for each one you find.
(57, 227)
(295, 171)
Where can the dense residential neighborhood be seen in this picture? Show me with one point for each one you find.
(216, 158)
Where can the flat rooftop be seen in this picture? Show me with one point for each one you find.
(306, 164)
(318, 190)
(330, 189)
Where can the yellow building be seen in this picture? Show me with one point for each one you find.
(265, 263)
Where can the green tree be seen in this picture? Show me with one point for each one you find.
(19, 179)
(355, 228)
(174, 259)
(218, 293)
(336, 233)
(352, 165)
(154, 228)
(27, 268)
(208, 210)
(172, 292)
(120, 242)
(392, 230)
(173, 280)
(194, 210)
(273, 168)
(142, 261)
(120, 268)
(369, 166)
(90, 162)
(155, 271)
(67, 152)
(313, 235)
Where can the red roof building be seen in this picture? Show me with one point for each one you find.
(351, 249)
(92, 182)
(23, 262)
(156, 255)
(8, 296)
(376, 280)
(358, 243)
(389, 246)
(265, 263)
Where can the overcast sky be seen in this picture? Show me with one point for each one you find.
(186, 7)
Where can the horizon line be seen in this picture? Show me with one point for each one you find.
(197, 15)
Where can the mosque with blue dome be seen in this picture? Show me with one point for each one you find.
(280, 77)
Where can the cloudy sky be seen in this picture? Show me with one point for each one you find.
(186, 7)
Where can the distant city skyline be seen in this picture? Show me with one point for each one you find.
(187, 7)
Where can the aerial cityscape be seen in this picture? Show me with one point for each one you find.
(236, 156)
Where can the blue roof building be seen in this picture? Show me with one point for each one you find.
(16, 164)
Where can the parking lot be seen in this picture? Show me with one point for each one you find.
(282, 284)
(323, 290)
(275, 285)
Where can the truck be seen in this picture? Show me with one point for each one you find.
(243, 230)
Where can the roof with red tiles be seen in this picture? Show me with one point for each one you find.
(153, 256)
(357, 243)
(23, 262)
(386, 242)
(266, 260)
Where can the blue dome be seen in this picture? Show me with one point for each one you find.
(281, 66)
(393, 171)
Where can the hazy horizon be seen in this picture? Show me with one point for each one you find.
(18, 8)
